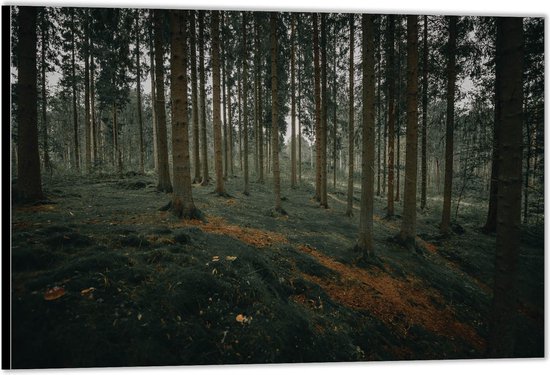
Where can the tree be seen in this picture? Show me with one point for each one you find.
(408, 225)
(182, 197)
(509, 106)
(258, 98)
(194, 98)
(324, 112)
(202, 103)
(29, 181)
(365, 243)
(351, 131)
(293, 102)
(164, 183)
(451, 79)
(216, 110)
(73, 78)
(391, 113)
(424, 166)
(44, 47)
(245, 104)
(87, 119)
(138, 88)
(275, 115)
(317, 70)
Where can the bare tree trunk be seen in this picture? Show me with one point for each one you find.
(95, 127)
(194, 99)
(424, 114)
(275, 114)
(153, 99)
(44, 36)
(317, 73)
(334, 119)
(245, 104)
(293, 102)
(182, 198)
(87, 126)
(503, 318)
(216, 110)
(391, 113)
(29, 181)
(451, 78)
(204, 144)
(365, 243)
(324, 111)
(351, 131)
(239, 109)
(75, 114)
(223, 61)
(138, 88)
(407, 234)
(379, 106)
(164, 183)
(259, 99)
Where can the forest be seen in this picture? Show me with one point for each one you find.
(235, 187)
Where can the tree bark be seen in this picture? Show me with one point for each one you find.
(73, 84)
(365, 243)
(275, 114)
(245, 105)
(202, 104)
(259, 99)
(351, 131)
(390, 67)
(138, 89)
(293, 102)
(424, 164)
(87, 126)
(153, 97)
(216, 104)
(223, 61)
(194, 99)
(44, 46)
(510, 52)
(324, 112)
(451, 79)
(408, 225)
(317, 70)
(182, 196)
(164, 183)
(29, 181)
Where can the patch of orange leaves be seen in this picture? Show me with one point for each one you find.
(251, 236)
(400, 303)
(37, 208)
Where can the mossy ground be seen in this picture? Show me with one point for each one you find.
(248, 286)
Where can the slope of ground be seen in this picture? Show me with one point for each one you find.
(101, 277)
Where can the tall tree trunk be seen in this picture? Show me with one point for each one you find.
(398, 108)
(365, 243)
(293, 102)
(117, 155)
(324, 111)
(216, 97)
(408, 225)
(29, 180)
(153, 98)
(451, 79)
(275, 114)
(424, 165)
(182, 198)
(334, 118)
(510, 52)
(164, 183)
(259, 119)
(202, 104)
(351, 131)
(87, 126)
(239, 110)
(299, 114)
(44, 36)
(491, 222)
(245, 104)
(194, 98)
(138, 88)
(528, 146)
(229, 123)
(95, 127)
(223, 61)
(379, 105)
(317, 73)
(390, 67)
(73, 84)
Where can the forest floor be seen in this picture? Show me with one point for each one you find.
(102, 277)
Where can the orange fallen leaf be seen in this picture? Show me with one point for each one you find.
(54, 293)
(243, 319)
(87, 291)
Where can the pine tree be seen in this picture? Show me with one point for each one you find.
(245, 104)
(407, 234)
(351, 131)
(202, 103)
(390, 67)
(194, 98)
